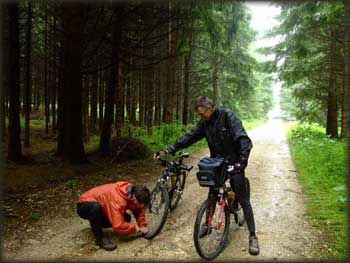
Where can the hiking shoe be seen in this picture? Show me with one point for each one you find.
(106, 244)
(203, 231)
(253, 245)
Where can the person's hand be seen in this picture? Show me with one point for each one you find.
(144, 229)
(238, 167)
(137, 228)
(158, 154)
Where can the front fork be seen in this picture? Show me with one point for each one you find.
(222, 204)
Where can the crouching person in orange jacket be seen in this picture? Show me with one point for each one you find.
(105, 206)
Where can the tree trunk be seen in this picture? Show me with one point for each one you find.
(28, 85)
(157, 93)
(142, 103)
(46, 95)
(119, 103)
(171, 71)
(128, 96)
(101, 92)
(3, 83)
(148, 85)
(179, 88)
(141, 100)
(37, 93)
(177, 91)
(14, 130)
(163, 84)
(134, 98)
(332, 121)
(70, 140)
(187, 65)
(347, 118)
(54, 78)
(85, 108)
(343, 108)
(93, 104)
(215, 82)
(60, 84)
(108, 114)
(114, 72)
(345, 127)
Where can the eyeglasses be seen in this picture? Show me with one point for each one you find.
(202, 113)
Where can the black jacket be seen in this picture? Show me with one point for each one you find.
(225, 136)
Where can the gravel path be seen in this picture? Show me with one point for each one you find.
(277, 200)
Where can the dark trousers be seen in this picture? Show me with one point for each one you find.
(238, 184)
(93, 212)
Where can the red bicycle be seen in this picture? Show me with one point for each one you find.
(212, 224)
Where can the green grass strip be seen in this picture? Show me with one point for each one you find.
(320, 162)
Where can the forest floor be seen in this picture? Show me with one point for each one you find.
(41, 223)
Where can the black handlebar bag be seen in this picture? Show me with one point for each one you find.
(211, 172)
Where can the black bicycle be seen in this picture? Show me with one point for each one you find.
(212, 224)
(167, 193)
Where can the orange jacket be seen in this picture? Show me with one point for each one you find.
(115, 201)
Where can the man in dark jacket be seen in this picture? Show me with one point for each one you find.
(105, 206)
(226, 138)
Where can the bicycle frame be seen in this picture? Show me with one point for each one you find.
(223, 203)
(214, 218)
(177, 167)
(164, 190)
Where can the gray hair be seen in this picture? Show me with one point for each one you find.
(203, 101)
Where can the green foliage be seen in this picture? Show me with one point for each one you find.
(71, 183)
(162, 136)
(303, 56)
(165, 135)
(224, 46)
(320, 163)
(34, 216)
(93, 143)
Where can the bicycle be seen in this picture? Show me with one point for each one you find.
(167, 193)
(214, 213)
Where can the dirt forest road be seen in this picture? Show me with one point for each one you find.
(277, 200)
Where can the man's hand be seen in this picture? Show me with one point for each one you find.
(137, 228)
(238, 167)
(144, 229)
(158, 154)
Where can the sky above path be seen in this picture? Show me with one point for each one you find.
(263, 14)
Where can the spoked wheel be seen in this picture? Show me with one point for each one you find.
(157, 212)
(176, 192)
(211, 242)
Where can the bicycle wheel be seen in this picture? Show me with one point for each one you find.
(176, 192)
(157, 212)
(214, 240)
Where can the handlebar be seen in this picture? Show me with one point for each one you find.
(177, 163)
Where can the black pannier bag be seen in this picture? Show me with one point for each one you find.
(211, 171)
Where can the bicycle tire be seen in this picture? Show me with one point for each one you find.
(200, 242)
(177, 191)
(157, 211)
